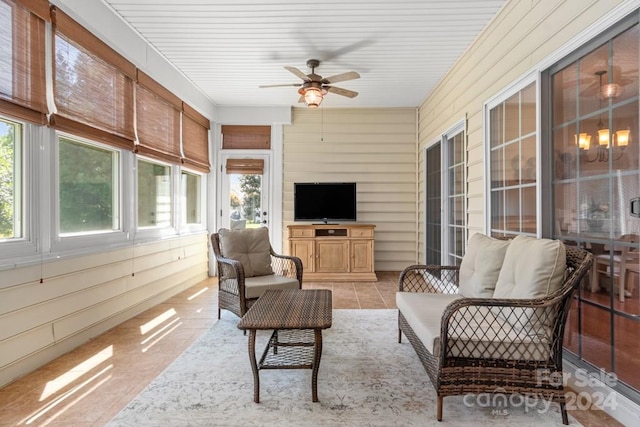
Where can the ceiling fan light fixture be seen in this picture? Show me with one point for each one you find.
(610, 91)
(312, 96)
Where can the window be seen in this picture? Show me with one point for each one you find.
(191, 191)
(11, 181)
(455, 195)
(22, 59)
(513, 164)
(88, 188)
(154, 194)
(93, 86)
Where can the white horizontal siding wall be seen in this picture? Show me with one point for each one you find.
(519, 38)
(376, 148)
(81, 297)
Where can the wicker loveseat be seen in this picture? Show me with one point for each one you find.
(496, 323)
(248, 266)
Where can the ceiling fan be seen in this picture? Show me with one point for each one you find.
(314, 86)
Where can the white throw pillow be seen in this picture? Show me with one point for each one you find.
(481, 266)
(532, 268)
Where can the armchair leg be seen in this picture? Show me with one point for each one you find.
(218, 313)
(439, 409)
(563, 411)
(399, 336)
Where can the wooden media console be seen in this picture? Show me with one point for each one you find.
(334, 252)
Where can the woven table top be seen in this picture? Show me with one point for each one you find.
(290, 309)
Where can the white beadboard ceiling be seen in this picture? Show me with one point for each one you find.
(227, 48)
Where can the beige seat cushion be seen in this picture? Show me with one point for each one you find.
(257, 285)
(481, 266)
(484, 334)
(423, 312)
(250, 246)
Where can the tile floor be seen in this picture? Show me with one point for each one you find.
(89, 385)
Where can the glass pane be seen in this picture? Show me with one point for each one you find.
(191, 198)
(596, 336)
(87, 188)
(497, 168)
(528, 111)
(571, 338)
(565, 85)
(566, 209)
(528, 161)
(497, 210)
(245, 201)
(458, 143)
(512, 210)
(10, 180)
(626, 356)
(623, 72)
(512, 118)
(496, 124)
(529, 210)
(513, 165)
(7, 47)
(566, 160)
(433, 198)
(154, 195)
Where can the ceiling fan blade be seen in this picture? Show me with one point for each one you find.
(340, 91)
(350, 75)
(297, 72)
(282, 85)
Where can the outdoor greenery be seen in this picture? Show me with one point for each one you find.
(251, 186)
(86, 187)
(7, 195)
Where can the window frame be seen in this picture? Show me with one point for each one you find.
(25, 245)
(148, 233)
(495, 101)
(185, 227)
(449, 255)
(63, 242)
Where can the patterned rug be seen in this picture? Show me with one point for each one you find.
(365, 379)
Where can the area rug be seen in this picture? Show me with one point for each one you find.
(365, 379)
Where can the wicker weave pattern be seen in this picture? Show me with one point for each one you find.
(290, 309)
(297, 317)
(470, 359)
(231, 278)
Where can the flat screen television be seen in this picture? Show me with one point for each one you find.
(324, 201)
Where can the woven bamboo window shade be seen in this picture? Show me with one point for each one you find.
(25, 96)
(245, 166)
(246, 137)
(195, 139)
(157, 120)
(93, 85)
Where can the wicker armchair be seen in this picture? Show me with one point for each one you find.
(237, 292)
(469, 358)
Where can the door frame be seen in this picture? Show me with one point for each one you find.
(223, 192)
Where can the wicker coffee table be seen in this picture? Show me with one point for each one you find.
(297, 317)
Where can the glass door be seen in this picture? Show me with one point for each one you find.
(433, 205)
(243, 193)
(596, 193)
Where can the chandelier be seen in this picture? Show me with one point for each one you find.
(607, 143)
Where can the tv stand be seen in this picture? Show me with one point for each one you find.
(334, 252)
